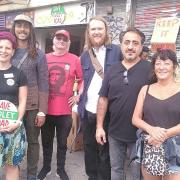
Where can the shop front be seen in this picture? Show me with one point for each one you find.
(147, 12)
(72, 17)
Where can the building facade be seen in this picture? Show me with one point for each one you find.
(73, 15)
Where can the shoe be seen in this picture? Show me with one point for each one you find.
(62, 174)
(31, 177)
(43, 173)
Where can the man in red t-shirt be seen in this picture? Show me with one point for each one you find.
(64, 68)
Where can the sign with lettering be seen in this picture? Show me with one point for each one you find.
(165, 33)
(11, 15)
(8, 113)
(64, 14)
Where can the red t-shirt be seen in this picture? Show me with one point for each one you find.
(62, 72)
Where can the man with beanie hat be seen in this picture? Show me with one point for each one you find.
(64, 68)
(33, 62)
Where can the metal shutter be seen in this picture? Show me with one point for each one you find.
(2, 21)
(148, 11)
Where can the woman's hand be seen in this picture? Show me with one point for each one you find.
(154, 142)
(158, 134)
(10, 127)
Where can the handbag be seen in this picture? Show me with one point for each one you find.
(97, 66)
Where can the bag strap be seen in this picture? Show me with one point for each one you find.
(97, 66)
(20, 62)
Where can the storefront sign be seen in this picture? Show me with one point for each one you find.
(10, 17)
(8, 113)
(165, 33)
(64, 15)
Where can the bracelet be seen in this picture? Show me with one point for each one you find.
(19, 122)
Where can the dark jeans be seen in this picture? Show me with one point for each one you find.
(97, 161)
(62, 124)
(32, 133)
(118, 151)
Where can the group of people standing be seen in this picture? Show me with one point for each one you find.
(121, 92)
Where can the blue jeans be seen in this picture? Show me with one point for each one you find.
(118, 150)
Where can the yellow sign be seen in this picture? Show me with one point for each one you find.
(165, 33)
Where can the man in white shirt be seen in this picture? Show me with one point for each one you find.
(97, 163)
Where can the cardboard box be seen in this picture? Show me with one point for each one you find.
(75, 138)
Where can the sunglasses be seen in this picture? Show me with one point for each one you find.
(125, 80)
(62, 38)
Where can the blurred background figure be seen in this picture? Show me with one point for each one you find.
(145, 53)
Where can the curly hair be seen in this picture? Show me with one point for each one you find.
(164, 54)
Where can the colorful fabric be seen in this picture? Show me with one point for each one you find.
(12, 147)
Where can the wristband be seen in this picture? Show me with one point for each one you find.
(41, 114)
(19, 122)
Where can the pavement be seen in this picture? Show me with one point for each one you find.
(74, 166)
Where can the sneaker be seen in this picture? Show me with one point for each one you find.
(62, 174)
(43, 173)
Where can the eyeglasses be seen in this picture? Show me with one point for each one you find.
(125, 80)
(62, 38)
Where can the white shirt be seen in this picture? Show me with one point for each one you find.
(96, 82)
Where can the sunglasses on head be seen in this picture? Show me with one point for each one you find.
(125, 80)
(62, 38)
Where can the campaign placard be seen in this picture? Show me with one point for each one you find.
(8, 113)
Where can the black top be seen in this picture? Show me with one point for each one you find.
(162, 113)
(11, 79)
(122, 97)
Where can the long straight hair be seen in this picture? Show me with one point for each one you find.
(88, 44)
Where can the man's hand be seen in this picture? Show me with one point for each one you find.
(39, 121)
(73, 100)
(100, 136)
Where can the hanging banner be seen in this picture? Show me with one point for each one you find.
(64, 14)
(8, 113)
(165, 33)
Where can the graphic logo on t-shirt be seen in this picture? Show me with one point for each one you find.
(8, 113)
(10, 82)
(58, 75)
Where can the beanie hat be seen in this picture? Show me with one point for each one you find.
(9, 36)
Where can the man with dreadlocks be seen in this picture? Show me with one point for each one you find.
(33, 62)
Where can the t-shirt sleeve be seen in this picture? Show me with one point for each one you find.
(22, 79)
(105, 85)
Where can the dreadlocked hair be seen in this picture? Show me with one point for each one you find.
(32, 43)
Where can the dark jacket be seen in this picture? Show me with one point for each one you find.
(113, 55)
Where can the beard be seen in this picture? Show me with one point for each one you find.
(97, 43)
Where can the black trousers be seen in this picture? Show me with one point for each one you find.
(62, 124)
(97, 160)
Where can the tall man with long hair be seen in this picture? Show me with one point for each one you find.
(33, 63)
(99, 44)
